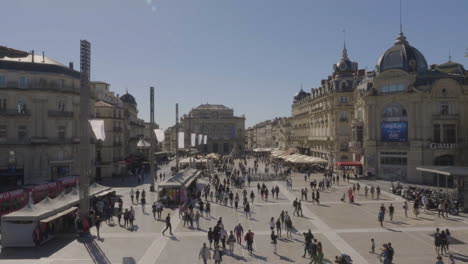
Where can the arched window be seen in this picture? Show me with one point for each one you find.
(394, 111)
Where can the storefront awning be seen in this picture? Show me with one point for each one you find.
(58, 215)
(348, 163)
(445, 170)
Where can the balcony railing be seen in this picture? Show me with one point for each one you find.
(59, 113)
(14, 112)
(117, 129)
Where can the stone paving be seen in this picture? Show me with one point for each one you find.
(341, 227)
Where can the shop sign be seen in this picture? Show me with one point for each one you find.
(443, 145)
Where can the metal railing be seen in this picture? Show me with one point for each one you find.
(59, 113)
(14, 112)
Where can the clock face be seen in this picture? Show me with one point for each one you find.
(343, 66)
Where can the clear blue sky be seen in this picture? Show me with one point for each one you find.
(251, 55)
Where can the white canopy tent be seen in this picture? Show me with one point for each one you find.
(17, 227)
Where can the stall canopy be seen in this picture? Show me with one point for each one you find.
(181, 180)
(348, 163)
(301, 159)
(445, 170)
(48, 206)
(143, 144)
(212, 156)
(189, 160)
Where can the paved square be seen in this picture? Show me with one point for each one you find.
(341, 227)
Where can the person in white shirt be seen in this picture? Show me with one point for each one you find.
(204, 254)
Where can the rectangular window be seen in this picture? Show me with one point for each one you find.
(437, 133)
(22, 132)
(3, 131)
(61, 132)
(23, 82)
(344, 99)
(393, 88)
(359, 134)
(21, 107)
(3, 104)
(444, 109)
(344, 116)
(2, 81)
(450, 133)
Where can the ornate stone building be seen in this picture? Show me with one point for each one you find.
(39, 119)
(321, 118)
(110, 152)
(224, 130)
(269, 134)
(408, 114)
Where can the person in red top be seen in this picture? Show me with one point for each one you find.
(249, 238)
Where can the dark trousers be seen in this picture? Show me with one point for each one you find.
(168, 226)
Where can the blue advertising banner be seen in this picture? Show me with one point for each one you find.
(394, 132)
(233, 131)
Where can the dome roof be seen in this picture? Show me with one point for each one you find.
(451, 67)
(128, 98)
(344, 64)
(402, 56)
(300, 95)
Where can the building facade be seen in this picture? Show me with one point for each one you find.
(408, 114)
(269, 134)
(225, 131)
(321, 118)
(39, 119)
(110, 152)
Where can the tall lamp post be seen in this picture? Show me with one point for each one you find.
(85, 63)
(151, 154)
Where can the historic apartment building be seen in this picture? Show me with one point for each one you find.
(39, 119)
(269, 134)
(321, 118)
(408, 114)
(225, 131)
(110, 152)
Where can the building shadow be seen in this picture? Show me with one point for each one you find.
(44, 251)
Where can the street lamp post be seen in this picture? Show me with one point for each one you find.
(85, 61)
(151, 154)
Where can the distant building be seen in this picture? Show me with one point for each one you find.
(269, 134)
(224, 130)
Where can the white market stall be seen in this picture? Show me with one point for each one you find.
(37, 223)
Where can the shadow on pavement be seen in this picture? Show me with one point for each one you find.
(95, 252)
(128, 260)
(45, 251)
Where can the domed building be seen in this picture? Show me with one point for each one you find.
(408, 114)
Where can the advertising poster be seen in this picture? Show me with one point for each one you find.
(394, 132)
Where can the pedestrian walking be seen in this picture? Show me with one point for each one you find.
(239, 230)
(210, 236)
(154, 209)
(218, 255)
(405, 208)
(278, 227)
(168, 224)
(231, 241)
(97, 223)
(391, 210)
(372, 246)
(249, 238)
(137, 195)
(197, 220)
(274, 240)
(272, 224)
(132, 193)
(204, 254)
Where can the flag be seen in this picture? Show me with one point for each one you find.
(181, 138)
(193, 140)
(205, 139)
(159, 135)
(200, 139)
(98, 128)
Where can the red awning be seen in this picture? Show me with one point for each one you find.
(348, 163)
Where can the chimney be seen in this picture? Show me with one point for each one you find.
(70, 65)
(32, 56)
(43, 57)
